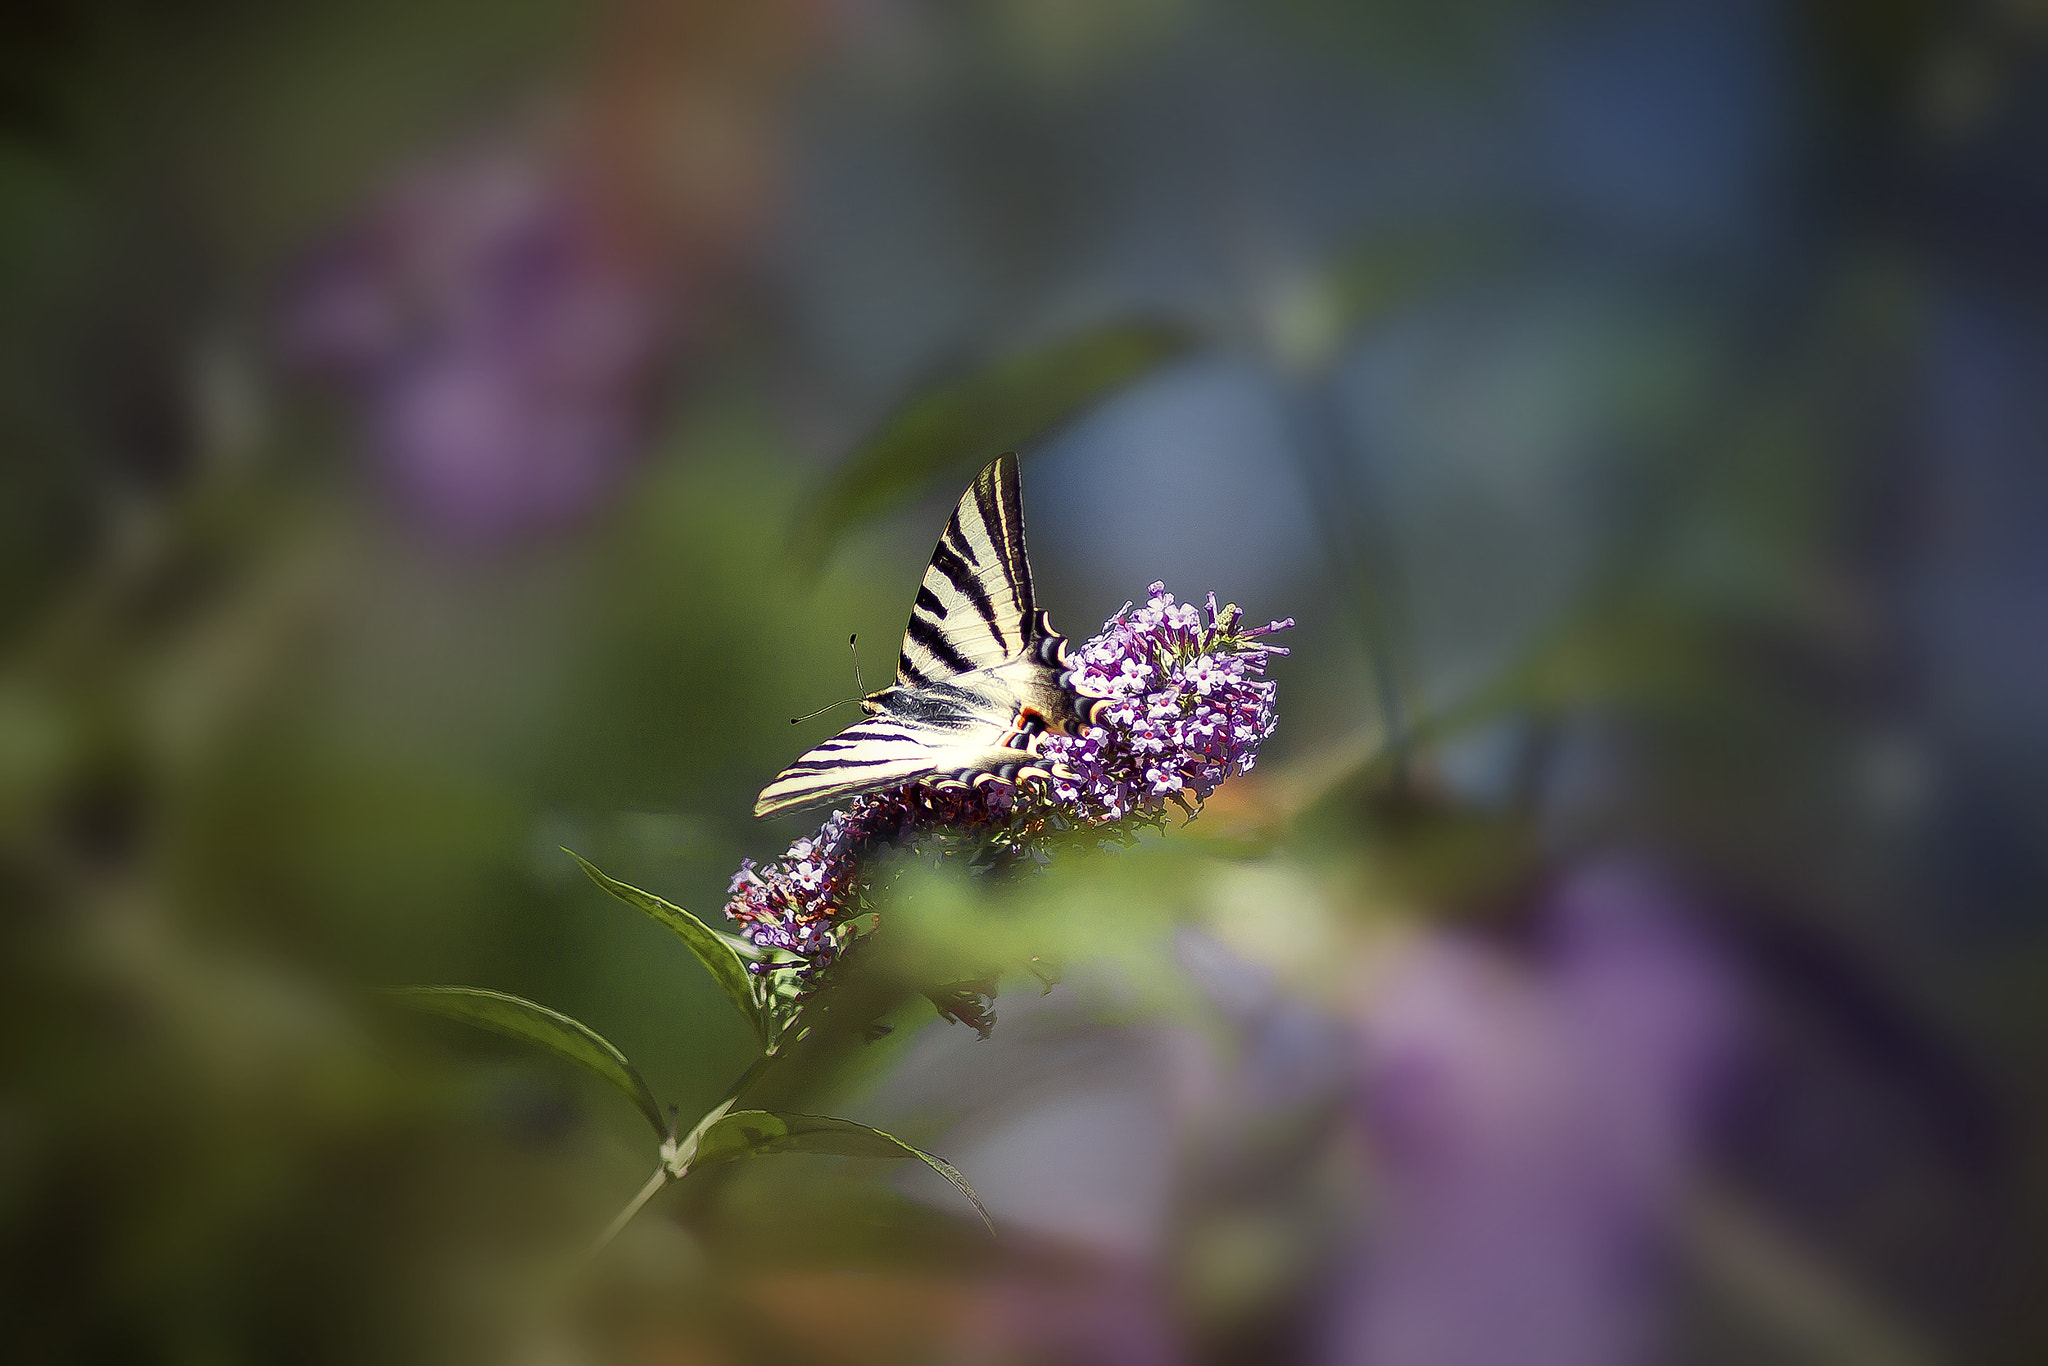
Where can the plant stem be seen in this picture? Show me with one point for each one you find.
(676, 1155)
(654, 1183)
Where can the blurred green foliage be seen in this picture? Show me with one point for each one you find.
(951, 428)
(268, 743)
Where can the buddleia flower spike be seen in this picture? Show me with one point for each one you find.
(1179, 702)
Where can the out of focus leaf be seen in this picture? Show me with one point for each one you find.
(715, 951)
(754, 1133)
(1384, 271)
(1608, 654)
(769, 1226)
(947, 431)
(552, 1030)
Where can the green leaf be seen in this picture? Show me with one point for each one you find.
(552, 1030)
(1386, 271)
(714, 950)
(754, 1133)
(946, 432)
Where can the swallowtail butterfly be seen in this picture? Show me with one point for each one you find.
(982, 676)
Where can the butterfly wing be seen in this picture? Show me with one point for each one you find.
(978, 679)
(975, 608)
(869, 756)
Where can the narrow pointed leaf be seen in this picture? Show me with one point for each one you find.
(552, 1030)
(754, 1133)
(711, 948)
(946, 431)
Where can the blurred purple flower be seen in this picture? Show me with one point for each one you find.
(501, 330)
(1529, 1126)
(1190, 707)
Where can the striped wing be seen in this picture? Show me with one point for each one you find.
(979, 678)
(889, 751)
(868, 756)
(975, 608)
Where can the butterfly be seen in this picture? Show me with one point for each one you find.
(981, 679)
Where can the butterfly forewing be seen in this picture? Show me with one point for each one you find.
(980, 677)
(975, 607)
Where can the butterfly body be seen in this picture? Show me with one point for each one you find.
(981, 678)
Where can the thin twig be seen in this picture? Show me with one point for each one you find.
(654, 1183)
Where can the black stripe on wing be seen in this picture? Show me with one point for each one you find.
(934, 642)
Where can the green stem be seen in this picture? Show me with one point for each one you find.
(677, 1155)
(625, 1216)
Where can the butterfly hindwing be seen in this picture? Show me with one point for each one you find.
(865, 757)
(980, 678)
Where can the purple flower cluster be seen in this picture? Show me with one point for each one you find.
(1189, 706)
(801, 904)
(789, 904)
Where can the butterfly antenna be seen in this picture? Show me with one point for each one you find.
(798, 720)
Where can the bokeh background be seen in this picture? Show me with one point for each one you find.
(440, 432)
